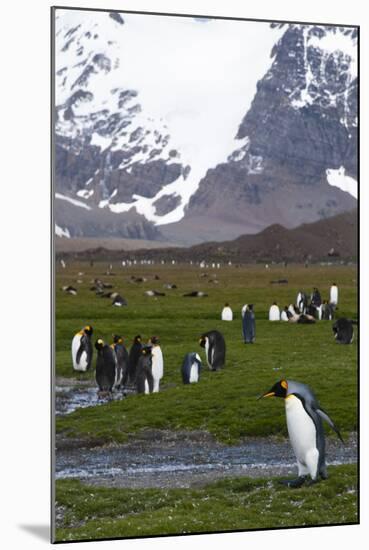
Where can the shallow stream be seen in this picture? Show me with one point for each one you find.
(165, 459)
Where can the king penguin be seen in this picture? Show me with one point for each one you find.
(305, 429)
(343, 330)
(134, 355)
(144, 377)
(82, 349)
(105, 367)
(215, 349)
(157, 362)
(121, 355)
(191, 368)
(248, 323)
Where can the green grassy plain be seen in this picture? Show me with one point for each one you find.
(223, 403)
(227, 505)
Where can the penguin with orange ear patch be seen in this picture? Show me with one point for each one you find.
(305, 429)
(82, 349)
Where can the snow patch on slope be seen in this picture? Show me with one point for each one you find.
(333, 42)
(175, 87)
(100, 141)
(72, 201)
(60, 232)
(173, 65)
(85, 193)
(338, 178)
(338, 42)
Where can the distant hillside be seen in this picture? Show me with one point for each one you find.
(332, 238)
(83, 244)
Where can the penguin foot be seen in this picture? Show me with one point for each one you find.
(294, 483)
(311, 482)
(104, 394)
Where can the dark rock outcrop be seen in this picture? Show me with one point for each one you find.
(302, 121)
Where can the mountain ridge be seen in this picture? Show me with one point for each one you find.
(332, 239)
(292, 158)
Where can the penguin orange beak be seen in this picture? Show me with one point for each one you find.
(267, 394)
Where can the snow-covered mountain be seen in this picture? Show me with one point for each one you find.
(168, 127)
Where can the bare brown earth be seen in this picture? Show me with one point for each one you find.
(334, 238)
(84, 243)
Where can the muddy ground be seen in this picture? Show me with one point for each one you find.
(167, 459)
(164, 459)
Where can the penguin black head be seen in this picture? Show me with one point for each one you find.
(154, 340)
(117, 339)
(278, 390)
(137, 339)
(99, 344)
(88, 330)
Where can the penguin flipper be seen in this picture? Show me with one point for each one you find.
(325, 417)
(80, 349)
(89, 351)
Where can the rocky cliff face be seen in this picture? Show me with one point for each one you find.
(301, 124)
(107, 149)
(295, 162)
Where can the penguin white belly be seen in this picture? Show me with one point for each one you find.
(82, 365)
(302, 433)
(83, 361)
(158, 362)
(334, 296)
(147, 389)
(157, 367)
(319, 312)
(194, 373)
(118, 372)
(118, 377)
(227, 314)
(208, 359)
(274, 313)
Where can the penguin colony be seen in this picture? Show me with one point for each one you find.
(308, 310)
(143, 368)
(116, 368)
